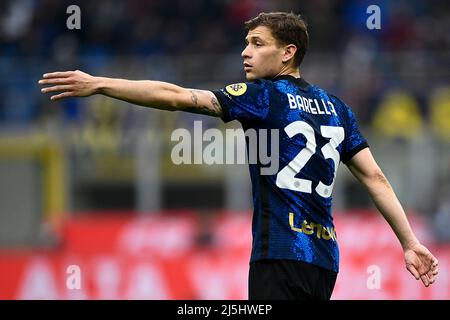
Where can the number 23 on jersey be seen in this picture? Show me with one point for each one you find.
(286, 177)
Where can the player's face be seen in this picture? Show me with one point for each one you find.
(262, 56)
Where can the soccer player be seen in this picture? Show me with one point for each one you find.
(294, 251)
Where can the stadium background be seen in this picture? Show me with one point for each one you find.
(90, 182)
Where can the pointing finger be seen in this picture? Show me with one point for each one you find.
(63, 74)
(54, 81)
(56, 88)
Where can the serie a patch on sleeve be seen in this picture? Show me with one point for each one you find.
(236, 89)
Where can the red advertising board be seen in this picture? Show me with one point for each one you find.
(179, 255)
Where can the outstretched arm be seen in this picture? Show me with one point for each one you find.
(153, 94)
(419, 261)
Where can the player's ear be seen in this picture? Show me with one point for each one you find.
(289, 52)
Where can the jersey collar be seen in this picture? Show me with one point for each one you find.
(298, 81)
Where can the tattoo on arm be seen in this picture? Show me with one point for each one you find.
(216, 105)
(213, 110)
(194, 97)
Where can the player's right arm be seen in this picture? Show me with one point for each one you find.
(153, 94)
(418, 259)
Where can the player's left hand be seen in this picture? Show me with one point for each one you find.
(69, 83)
(421, 263)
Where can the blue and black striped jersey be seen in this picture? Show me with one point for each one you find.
(292, 216)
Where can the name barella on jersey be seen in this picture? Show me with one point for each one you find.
(292, 216)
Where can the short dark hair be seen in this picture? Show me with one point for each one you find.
(287, 28)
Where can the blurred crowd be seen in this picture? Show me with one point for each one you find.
(112, 27)
(407, 59)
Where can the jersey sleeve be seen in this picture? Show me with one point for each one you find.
(354, 141)
(244, 102)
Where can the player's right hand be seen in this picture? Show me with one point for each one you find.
(421, 264)
(69, 84)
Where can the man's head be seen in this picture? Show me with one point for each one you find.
(276, 44)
